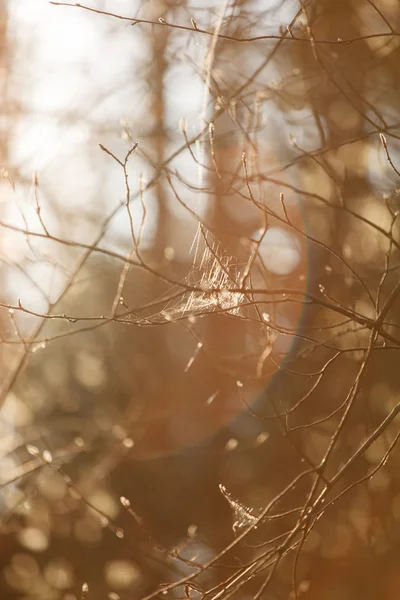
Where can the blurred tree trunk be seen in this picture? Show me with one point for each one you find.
(157, 73)
(225, 335)
(337, 92)
(4, 129)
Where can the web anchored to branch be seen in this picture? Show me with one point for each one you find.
(243, 516)
(218, 277)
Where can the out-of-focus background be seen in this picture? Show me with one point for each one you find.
(199, 257)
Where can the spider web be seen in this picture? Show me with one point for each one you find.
(243, 516)
(216, 275)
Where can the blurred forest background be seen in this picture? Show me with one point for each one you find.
(199, 300)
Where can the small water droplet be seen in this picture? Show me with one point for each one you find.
(47, 457)
(231, 444)
(128, 442)
(125, 502)
(261, 438)
(32, 450)
(169, 253)
(39, 347)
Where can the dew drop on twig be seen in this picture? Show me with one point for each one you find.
(47, 457)
(32, 450)
(38, 347)
(125, 502)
